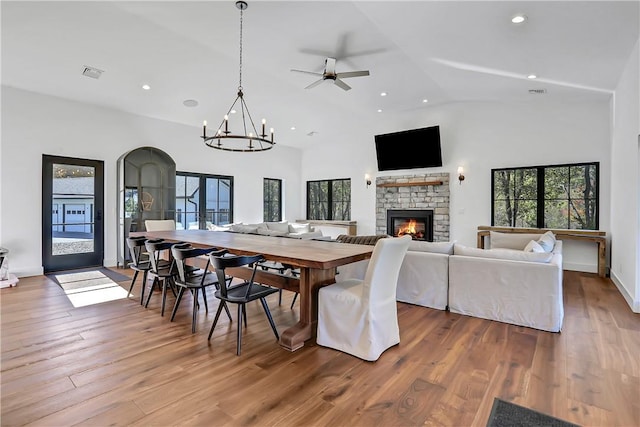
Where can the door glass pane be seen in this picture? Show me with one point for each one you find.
(73, 209)
(187, 202)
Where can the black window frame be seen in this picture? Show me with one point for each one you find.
(331, 202)
(202, 198)
(272, 206)
(540, 196)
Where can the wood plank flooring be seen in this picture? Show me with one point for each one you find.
(117, 363)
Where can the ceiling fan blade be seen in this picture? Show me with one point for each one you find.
(307, 72)
(314, 84)
(352, 74)
(342, 84)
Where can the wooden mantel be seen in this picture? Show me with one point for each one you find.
(409, 184)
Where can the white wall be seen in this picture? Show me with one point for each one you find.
(625, 178)
(34, 124)
(479, 136)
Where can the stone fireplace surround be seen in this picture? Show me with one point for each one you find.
(419, 191)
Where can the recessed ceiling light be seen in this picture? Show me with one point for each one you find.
(425, 100)
(518, 19)
(379, 111)
(293, 128)
(532, 76)
(190, 103)
(383, 93)
(146, 87)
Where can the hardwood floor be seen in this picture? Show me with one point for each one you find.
(117, 363)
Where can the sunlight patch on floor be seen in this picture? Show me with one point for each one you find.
(89, 287)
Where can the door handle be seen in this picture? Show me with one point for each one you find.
(98, 215)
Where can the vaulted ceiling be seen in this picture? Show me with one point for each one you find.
(439, 51)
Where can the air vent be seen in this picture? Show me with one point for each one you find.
(537, 91)
(94, 73)
(312, 133)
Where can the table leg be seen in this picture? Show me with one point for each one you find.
(311, 280)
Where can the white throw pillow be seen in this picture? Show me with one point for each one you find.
(533, 246)
(436, 247)
(506, 254)
(547, 241)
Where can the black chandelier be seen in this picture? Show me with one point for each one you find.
(250, 139)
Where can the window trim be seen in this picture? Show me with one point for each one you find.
(329, 197)
(202, 197)
(264, 198)
(540, 196)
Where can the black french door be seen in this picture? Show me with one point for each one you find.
(72, 213)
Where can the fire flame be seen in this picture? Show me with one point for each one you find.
(409, 228)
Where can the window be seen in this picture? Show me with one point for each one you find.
(203, 200)
(556, 196)
(329, 199)
(272, 194)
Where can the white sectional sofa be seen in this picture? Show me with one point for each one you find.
(507, 284)
(279, 229)
(504, 283)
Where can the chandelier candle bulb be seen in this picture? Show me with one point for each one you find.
(226, 123)
(271, 134)
(264, 122)
(204, 129)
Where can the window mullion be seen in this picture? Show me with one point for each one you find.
(540, 197)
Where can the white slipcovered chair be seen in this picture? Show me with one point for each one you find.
(160, 224)
(360, 317)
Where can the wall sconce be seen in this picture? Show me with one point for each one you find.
(460, 174)
(367, 179)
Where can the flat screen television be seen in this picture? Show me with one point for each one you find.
(409, 149)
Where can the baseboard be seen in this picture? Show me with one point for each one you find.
(585, 268)
(634, 305)
(27, 272)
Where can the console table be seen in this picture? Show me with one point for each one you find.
(596, 236)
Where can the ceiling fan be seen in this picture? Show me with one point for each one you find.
(330, 74)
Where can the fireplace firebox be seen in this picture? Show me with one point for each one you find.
(416, 223)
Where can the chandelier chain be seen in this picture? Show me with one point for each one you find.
(240, 84)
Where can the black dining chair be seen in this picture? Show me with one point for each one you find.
(162, 271)
(139, 263)
(194, 280)
(241, 293)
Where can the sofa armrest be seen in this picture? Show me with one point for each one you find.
(424, 279)
(517, 292)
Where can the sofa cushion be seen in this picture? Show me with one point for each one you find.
(436, 247)
(278, 226)
(511, 240)
(533, 246)
(309, 235)
(547, 241)
(507, 254)
(267, 232)
(244, 228)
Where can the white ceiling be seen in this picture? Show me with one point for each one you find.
(447, 51)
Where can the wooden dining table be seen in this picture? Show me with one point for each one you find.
(316, 259)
